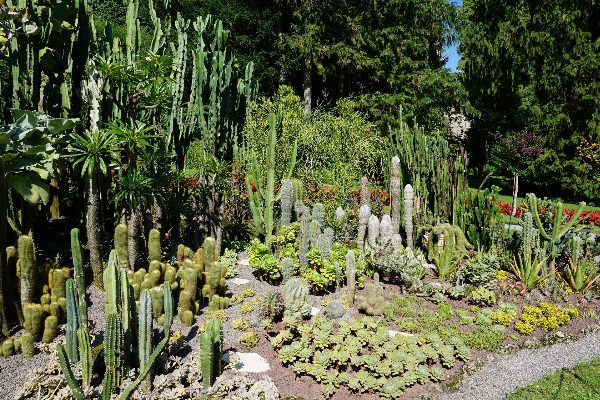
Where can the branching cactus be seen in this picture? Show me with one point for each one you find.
(350, 277)
(408, 215)
(363, 218)
(211, 353)
(373, 302)
(77, 254)
(154, 248)
(395, 194)
(28, 269)
(120, 242)
(287, 201)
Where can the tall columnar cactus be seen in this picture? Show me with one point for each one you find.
(350, 277)
(210, 353)
(145, 336)
(6, 289)
(365, 192)
(113, 342)
(262, 198)
(314, 230)
(395, 193)
(127, 308)
(85, 355)
(77, 254)
(408, 215)
(559, 230)
(154, 248)
(304, 239)
(287, 201)
(318, 213)
(112, 286)
(363, 218)
(386, 230)
(73, 322)
(27, 346)
(209, 250)
(288, 269)
(373, 231)
(324, 244)
(28, 269)
(120, 242)
(59, 278)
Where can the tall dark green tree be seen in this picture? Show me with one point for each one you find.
(534, 66)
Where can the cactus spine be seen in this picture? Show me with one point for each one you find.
(408, 215)
(261, 198)
(77, 254)
(28, 268)
(350, 277)
(395, 199)
(287, 201)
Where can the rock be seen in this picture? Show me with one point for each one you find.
(264, 389)
(239, 281)
(532, 343)
(394, 333)
(243, 261)
(335, 310)
(314, 311)
(249, 362)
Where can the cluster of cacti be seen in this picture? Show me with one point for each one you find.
(211, 352)
(262, 198)
(475, 213)
(373, 302)
(444, 238)
(23, 344)
(272, 305)
(295, 294)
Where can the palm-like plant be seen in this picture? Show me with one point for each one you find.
(94, 151)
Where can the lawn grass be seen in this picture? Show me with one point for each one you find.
(581, 382)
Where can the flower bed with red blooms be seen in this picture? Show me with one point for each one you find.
(587, 217)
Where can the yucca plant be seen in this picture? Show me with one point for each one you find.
(581, 273)
(529, 269)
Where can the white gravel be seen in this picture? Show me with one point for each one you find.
(507, 373)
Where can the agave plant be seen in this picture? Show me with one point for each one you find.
(581, 273)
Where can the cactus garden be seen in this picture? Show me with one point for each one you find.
(176, 221)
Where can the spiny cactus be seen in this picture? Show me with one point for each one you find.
(364, 213)
(288, 269)
(395, 199)
(324, 244)
(50, 326)
(304, 239)
(33, 314)
(350, 277)
(318, 213)
(386, 230)
(314, 230)
(112, 286)
(365, 192)
(154, 248)
(218, 303)
(408, 215)
(59, 277)
(113, 342)
(120, 242)
(272, 305)
(211, 352)
(27, 346)
(145, 333)
(295, 294)
(287, 201)
(73, 322)
(373, 302)
(28, 269)
(77, 255)
(373, 231)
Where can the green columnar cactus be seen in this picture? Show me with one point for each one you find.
(190, 282)
(373, 302)
(156, 293)
(120, 242)
(77, 254)
(218, 303)
(59, 277)
(559, 230)
(395, 194)
(261, 198)
(85, 353)
(215, 280)
(288, 269)
(49, 329)
(363, 218)
(318, 213)
(314, 230)
(17, 344)
(372, 231)
(28, 269)
(209, 251)
(33, 315)
(145, 337)
(113, 342)
(324, 244)
(154, 249)
(73, 322)
(199, 261)
(408, 215)
(210, 353)
(287, 201)
(112, 285)
(350, 277)
(127, 297)
(27, 346)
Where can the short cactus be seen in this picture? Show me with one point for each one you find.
(272, 305)
(154, 248)
(49, 329)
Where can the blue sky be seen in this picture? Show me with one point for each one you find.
(451, 52)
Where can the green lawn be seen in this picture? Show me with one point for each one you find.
(581, 382)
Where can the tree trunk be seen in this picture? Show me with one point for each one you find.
(515, 193)
(307, 85)
(93, 230)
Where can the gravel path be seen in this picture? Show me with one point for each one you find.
(504, 375)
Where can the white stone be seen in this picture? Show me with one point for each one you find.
(243, 261)
(247, 362)
(394, 333)
(314, 311)
(239, 281)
